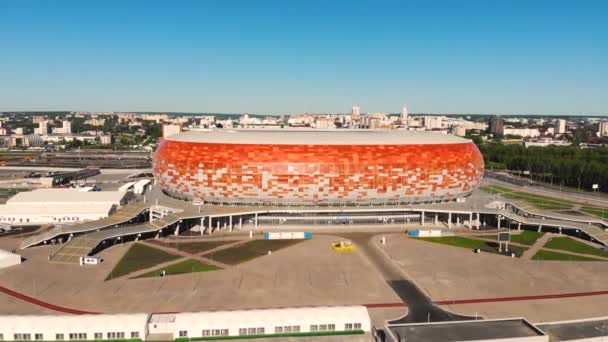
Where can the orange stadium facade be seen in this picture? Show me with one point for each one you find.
(315, 167)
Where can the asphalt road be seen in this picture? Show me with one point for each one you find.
(420, 307)
(547, 191)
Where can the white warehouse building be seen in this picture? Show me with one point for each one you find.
(52, 206)
(321, 320)
(73, 327)
(263, 321)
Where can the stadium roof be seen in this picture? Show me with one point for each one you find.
(317, 137)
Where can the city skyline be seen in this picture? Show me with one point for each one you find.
(443, 57)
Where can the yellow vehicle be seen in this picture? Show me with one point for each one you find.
(343, 246)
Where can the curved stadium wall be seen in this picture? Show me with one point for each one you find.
(316, 170)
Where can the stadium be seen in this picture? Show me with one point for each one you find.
(314, 167)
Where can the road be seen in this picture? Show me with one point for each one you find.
(420, 307)
(541, 190)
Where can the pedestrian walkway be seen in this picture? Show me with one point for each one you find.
(538, 245)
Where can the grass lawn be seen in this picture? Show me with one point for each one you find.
(548, 255)
(571, 245)
(191, 247)
(601, 212)
(249, 250)
(186, 266)
(463, 242)
(540, 202)
(139, 257)
(525, 238)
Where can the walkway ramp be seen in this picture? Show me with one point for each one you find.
(71, 252)
(124, 214)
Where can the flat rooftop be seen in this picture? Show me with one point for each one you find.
(576, 330)
(316, 137)
(465, 331)
(62, 196)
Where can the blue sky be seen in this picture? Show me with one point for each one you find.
(510, 56)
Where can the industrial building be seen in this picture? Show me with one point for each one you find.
(315, 167)
(51, 206)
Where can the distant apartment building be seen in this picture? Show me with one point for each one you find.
(38, 119)
(19, 131)
(67, 127)
(43, 128)
(433, 122)
(355, 112)
(169, 130)
(325, 123)
(560, 126)
(105, 139)
(496, 125)
(403, 116)
(603, 128)
(460, 131)
(301, 120)
(95, 122)
(522, 132)
(209, 120)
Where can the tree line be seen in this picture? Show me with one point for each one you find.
(567, 165)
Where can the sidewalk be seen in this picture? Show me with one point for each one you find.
(538, 245)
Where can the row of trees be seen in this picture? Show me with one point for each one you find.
(567, 165)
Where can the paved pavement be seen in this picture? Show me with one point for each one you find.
(538, 244)
(420, 306)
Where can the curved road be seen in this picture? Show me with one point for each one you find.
(420, 307)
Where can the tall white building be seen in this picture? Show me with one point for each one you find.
(67, 127)
(169, 130)
(43, 128)
(404, 113)
(560, 126)
(433, 122)
(603, 130)
(356, 111)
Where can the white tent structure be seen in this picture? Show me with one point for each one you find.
(8, 259)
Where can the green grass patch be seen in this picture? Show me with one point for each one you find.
(463, 242)
(139, 257)
(525, 237)
(191, 247)
(540, 202)
(249, 250)
(549, 255)
(186, 266)
(597, 211)
(571, 245)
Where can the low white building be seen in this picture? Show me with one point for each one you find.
(52, 206)
(523, 132)
(66, 196)
(8, 259)
(329, 320)
(73, 327)
(262, 321)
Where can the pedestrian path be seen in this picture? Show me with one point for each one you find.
(538, 245)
